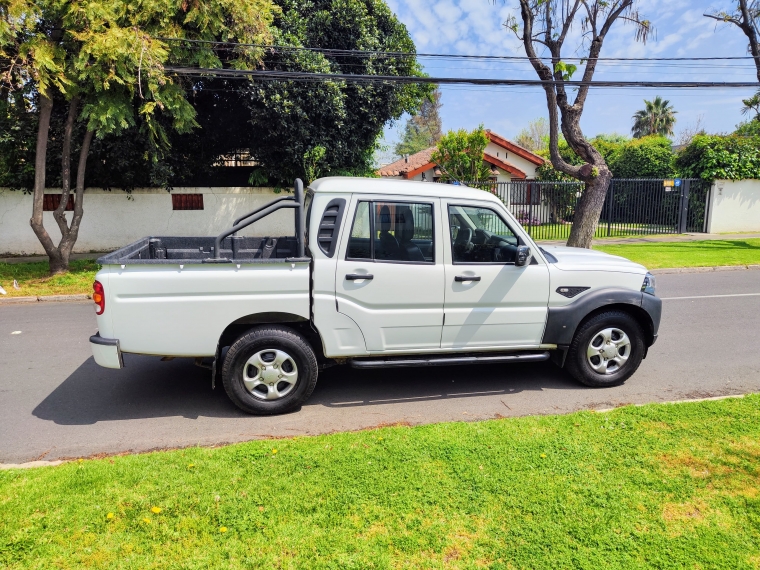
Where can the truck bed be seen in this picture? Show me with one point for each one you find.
(167, 250)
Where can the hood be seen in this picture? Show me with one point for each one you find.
(580, 259)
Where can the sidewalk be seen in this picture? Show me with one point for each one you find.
(660, 239)
(602, 241)
(37, 258)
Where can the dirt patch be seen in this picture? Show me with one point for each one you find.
(690, 511)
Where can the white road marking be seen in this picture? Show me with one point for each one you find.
(711, 296)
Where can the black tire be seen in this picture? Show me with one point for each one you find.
(266, 340)
(579, 363)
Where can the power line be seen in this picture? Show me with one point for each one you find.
(275, 75)
(399, 54)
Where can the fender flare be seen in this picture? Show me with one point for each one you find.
(562, 322)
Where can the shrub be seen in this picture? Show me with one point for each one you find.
(712, 157)
(525, 219)
(647, 157)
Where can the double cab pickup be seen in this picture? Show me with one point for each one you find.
(376, 273)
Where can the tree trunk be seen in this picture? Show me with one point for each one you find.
(60, 212)
(43, 130)
(67, 242)
(59, 256)
(589, 209)
(749, 30)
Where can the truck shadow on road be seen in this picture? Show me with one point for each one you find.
(149, 388)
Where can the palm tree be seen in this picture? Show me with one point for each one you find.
(657, 118)
(752, 105)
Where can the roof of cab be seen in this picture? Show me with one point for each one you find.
(355, 185)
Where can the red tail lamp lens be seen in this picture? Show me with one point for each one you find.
(99, 297)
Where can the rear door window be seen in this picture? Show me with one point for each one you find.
(393, 232)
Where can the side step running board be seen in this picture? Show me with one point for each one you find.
(449, 361)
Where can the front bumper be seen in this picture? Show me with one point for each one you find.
(106, 351)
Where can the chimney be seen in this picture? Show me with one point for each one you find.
(406, 158)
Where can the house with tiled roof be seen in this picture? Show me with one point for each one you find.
(507, 161)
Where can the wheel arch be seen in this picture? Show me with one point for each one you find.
(239, 327)
(639, 314)
(562, 322)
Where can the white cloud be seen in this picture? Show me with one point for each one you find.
(475, 27)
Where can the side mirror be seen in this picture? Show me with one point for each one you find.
(523, 256)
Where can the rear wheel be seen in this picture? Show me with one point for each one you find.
(606, 350)
(270, 370)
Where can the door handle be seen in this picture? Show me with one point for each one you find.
(358, 276)
(461, 278)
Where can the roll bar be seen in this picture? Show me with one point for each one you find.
(296, 201)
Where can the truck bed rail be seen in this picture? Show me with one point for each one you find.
(227, 247)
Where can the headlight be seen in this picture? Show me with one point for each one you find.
(648, 285)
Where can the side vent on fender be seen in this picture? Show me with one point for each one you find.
(571, 292)
(327, 237)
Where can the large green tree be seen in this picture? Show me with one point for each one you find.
(656, 118)
(290, 121)
(104, 63)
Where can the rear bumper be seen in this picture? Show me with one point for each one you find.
(106, 351)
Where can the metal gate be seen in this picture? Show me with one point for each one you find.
(633, 206)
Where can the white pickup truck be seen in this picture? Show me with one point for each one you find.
(378, 273)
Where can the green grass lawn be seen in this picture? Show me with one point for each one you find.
(33, 278)
(660, 486)
(689, 254)
(562, 231)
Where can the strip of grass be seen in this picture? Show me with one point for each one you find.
(660, 486)
(34, 278)
(690, 253)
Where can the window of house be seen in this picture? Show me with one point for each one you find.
(392, 231)
(525, 194)
(480, 235)
(187, 201)
(50, 203)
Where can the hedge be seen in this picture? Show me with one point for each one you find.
(647, 157)
(716, 157)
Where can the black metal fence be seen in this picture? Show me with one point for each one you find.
(632, 206)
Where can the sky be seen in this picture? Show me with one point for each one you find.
(475, 27)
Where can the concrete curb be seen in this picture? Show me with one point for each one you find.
(30, 464)
(45, 299)
(687, 401)
(705, 269)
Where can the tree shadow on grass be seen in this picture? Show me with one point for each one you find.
(149, 388)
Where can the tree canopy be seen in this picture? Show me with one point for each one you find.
(460, 156)
(656, 118)
(534, 137)
(424, 128)
(103, 62)
(287, 119)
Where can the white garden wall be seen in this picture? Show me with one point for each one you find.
(112, 220)
(734, 206)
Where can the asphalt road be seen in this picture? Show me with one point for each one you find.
(55, 402)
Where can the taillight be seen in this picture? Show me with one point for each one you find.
(99, 297)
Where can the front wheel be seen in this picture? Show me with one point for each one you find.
(606, 350)
(270, 370)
